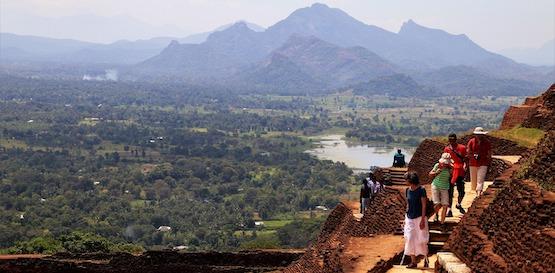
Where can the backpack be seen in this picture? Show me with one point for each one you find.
(429, 204)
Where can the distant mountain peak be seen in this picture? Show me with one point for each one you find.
(173, 43)
(237, 31)
(411, 27)
(239, 25)
(319, 6)
(318, 10)
(250, 25)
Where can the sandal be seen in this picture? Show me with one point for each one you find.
(411, 265)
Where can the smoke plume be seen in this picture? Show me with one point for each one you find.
(109, 75)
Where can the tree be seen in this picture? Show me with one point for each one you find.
(82, 242)
(44, 245)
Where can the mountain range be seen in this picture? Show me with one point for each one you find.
(314, 49)
(15, 47)
(85, 27)
(544, 55)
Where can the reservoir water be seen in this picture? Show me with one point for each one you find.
(358, 157)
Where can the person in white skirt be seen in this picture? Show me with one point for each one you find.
(416, 224)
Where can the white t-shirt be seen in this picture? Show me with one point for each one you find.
(374, 187)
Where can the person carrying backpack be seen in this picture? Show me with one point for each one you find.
(416, 232)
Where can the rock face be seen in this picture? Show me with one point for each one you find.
(386, 210)
(544, 118)
(325, 254)
(540, 164)
(154, 261)
(426, 155)
(516, 115)
(535, 112)
(509, 229)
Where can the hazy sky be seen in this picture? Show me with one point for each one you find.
(494, 24)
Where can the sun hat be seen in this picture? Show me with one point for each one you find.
(479, 131)
(445, 159)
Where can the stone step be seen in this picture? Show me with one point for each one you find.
(398, 179)
(437, 226)
(404, 269)
(438, 236)
(448, 262)
(435, 247)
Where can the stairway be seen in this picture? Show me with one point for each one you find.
(438, 237)
(397, 175)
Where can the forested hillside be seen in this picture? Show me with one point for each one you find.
(120, 160)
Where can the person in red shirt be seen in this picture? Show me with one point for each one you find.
(458, 154)
(479, 154)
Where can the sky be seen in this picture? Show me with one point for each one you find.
(493, 24)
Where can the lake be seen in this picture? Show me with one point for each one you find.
(357, 156)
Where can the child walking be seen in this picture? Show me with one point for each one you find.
(441, 174)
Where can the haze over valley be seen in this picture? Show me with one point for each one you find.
(147, 127)
(317, 49)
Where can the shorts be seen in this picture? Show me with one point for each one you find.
(440, 196)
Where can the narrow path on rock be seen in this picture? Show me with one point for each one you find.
(436, 237)
(355, 207)
(362, 254)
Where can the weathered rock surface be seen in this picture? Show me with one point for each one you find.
(155, 261)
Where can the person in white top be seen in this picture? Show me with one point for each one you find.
(374, 185)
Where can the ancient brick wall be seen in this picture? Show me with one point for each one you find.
(516, 115)
(385, 212)
(544, 118)
(324, 254)
(153, 261)
(535, 112)
(511, 228)
(520, 224)
(533, 101)
(540, 163)
(508, 229)
(426, 155)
